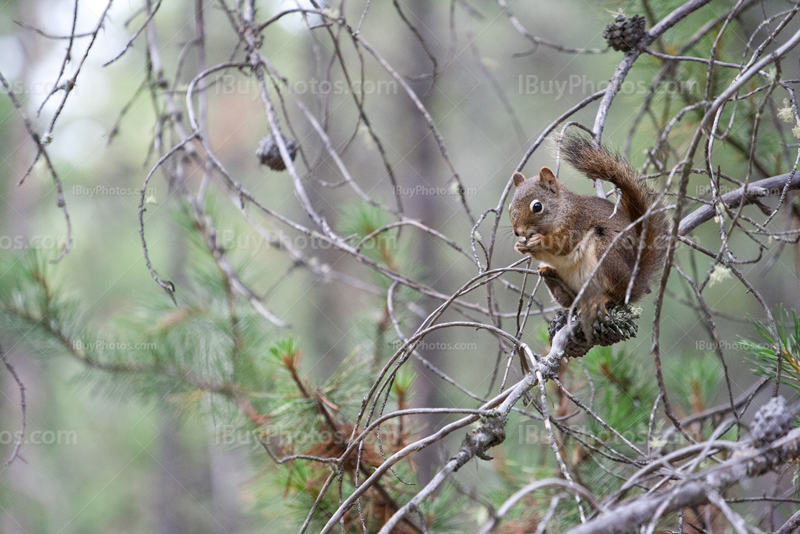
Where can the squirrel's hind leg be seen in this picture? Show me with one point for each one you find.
(558, 289)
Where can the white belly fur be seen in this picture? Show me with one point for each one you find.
(576, 267)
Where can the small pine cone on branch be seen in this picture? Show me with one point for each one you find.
(771, 421)
(625, 33)
(269, 154)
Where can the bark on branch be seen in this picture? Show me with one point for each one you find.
(756, 190)
(694, 490)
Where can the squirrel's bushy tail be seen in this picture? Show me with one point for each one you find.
(599, 162)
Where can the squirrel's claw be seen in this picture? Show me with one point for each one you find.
(593, 309)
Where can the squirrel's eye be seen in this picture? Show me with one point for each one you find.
(536, 206)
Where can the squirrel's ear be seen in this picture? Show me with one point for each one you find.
(548, 179)
(518, 178)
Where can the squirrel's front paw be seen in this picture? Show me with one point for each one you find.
(533, 243)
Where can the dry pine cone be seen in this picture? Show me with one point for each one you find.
(624, 34)
(269, 154)
(772, 421)
(618, 325)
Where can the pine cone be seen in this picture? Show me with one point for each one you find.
(269, 154)
(618, 325)
(625, 33)
(772, 421)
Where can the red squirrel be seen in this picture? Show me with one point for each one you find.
(569, 233)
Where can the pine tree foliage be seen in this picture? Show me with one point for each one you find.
(213, 356)
(762, 351)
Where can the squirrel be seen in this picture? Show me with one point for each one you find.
(569, 233)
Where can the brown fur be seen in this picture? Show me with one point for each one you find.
(572, 232)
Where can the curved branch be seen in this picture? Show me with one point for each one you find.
(756, 190)
(529, 488)
(22, 407)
